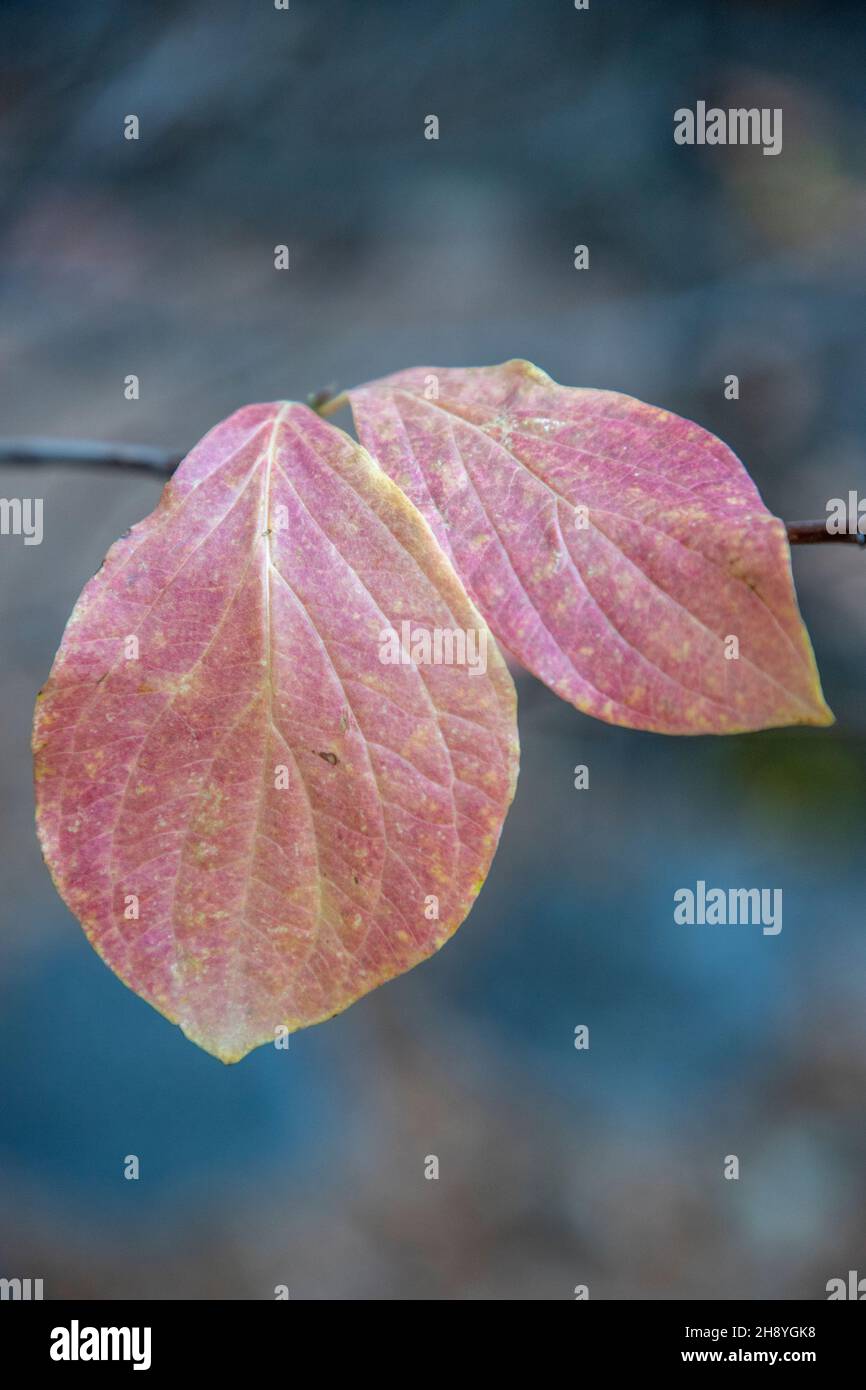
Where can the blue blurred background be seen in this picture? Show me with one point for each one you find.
(558, 1167)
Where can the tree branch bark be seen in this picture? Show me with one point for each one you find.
(86, 453)
(816, 533)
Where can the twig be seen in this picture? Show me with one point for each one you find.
(85, 453)
(816, 533)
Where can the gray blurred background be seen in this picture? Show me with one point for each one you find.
(155, 257)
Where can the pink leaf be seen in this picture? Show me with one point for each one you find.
(255, 818)
(614, 548)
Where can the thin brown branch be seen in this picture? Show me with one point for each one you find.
(85, 453)
(816, 533)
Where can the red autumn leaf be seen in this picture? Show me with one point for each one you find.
(255, 817)
(615, 549)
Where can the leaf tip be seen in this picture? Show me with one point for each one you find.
(824, 716)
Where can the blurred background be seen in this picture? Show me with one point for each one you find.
(558, 1167)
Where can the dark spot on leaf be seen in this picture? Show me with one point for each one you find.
(330, 758)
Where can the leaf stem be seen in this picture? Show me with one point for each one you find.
(323, 401)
